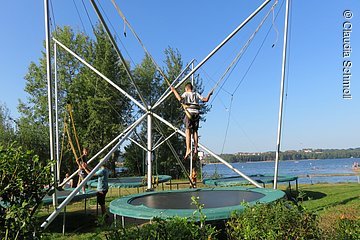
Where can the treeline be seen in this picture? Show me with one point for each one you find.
(290, 155)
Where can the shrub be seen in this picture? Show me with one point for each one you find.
(347, 229)
(280, 220)
(22, 180)
(341, 222)
(174, 228)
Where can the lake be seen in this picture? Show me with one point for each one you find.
(308, 171)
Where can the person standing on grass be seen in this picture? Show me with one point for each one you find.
(103, 185)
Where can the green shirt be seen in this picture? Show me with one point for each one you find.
(103, 176)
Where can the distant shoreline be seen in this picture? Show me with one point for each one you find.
(312, 159)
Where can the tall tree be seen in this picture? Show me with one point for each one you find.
(152, 86)
(7, 131)
(99, 111)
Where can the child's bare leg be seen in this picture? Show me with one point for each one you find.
(196, 139)
(188, 141)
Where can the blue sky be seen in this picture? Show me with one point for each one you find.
(315, 114)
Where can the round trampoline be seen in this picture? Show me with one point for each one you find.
(237, 180)
(61, 195)
(219, 203)
(131, 182)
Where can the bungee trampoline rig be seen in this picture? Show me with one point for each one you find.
(219, 202)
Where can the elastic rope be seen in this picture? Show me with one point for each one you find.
(146, 51)
(175, 154)
(74, 128)
(70, 142)
(227, 125)
(257, 53)
(244, 48)
(87, 14)
(78, 13)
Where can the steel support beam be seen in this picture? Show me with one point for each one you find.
(210, 152)
(281, 104)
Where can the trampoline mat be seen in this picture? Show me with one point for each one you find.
(210, 199)
(256, 178)
(127, 180)
(61, 195)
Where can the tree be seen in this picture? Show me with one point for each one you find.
(153, 85)
(7, 131)
(100, 112)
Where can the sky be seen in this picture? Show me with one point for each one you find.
(315, 114)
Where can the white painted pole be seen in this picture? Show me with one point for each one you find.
(168, 89)
(191, 142)
(56, 116)
(106, 147)
(49, 90)
(232, 34)
(149, 151)
(283, 75)
(117, 50)
(210, 152)
(138, 144)
(67, 200)
(100, 74)
(163, 141)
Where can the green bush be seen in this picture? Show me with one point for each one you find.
(22, 180)
(280, 220)
(346, 229)
(175, 228)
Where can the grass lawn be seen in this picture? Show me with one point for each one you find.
(330, 201)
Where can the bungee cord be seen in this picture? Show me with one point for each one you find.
(126, 22)
(227, 73)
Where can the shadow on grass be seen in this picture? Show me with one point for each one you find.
(75, 221)
(308, 195)
(339, 203)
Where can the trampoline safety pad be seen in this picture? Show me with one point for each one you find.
(130, 182)
(219, 203)
(62, 195)
(236, 180)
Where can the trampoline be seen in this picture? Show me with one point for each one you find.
(219, 203)
(260, 178)
(130, 182)
(61, 195)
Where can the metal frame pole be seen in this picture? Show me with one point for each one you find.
(117, 50)
(149, 151)
(138, 144)
(162, 142)
(166, 91)
(50, 98)
(57, 210)
(210, 152)
(56, 115)
(281, 105)
(191, 142)
(100, 74)
(104, 148)
(232, 34)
